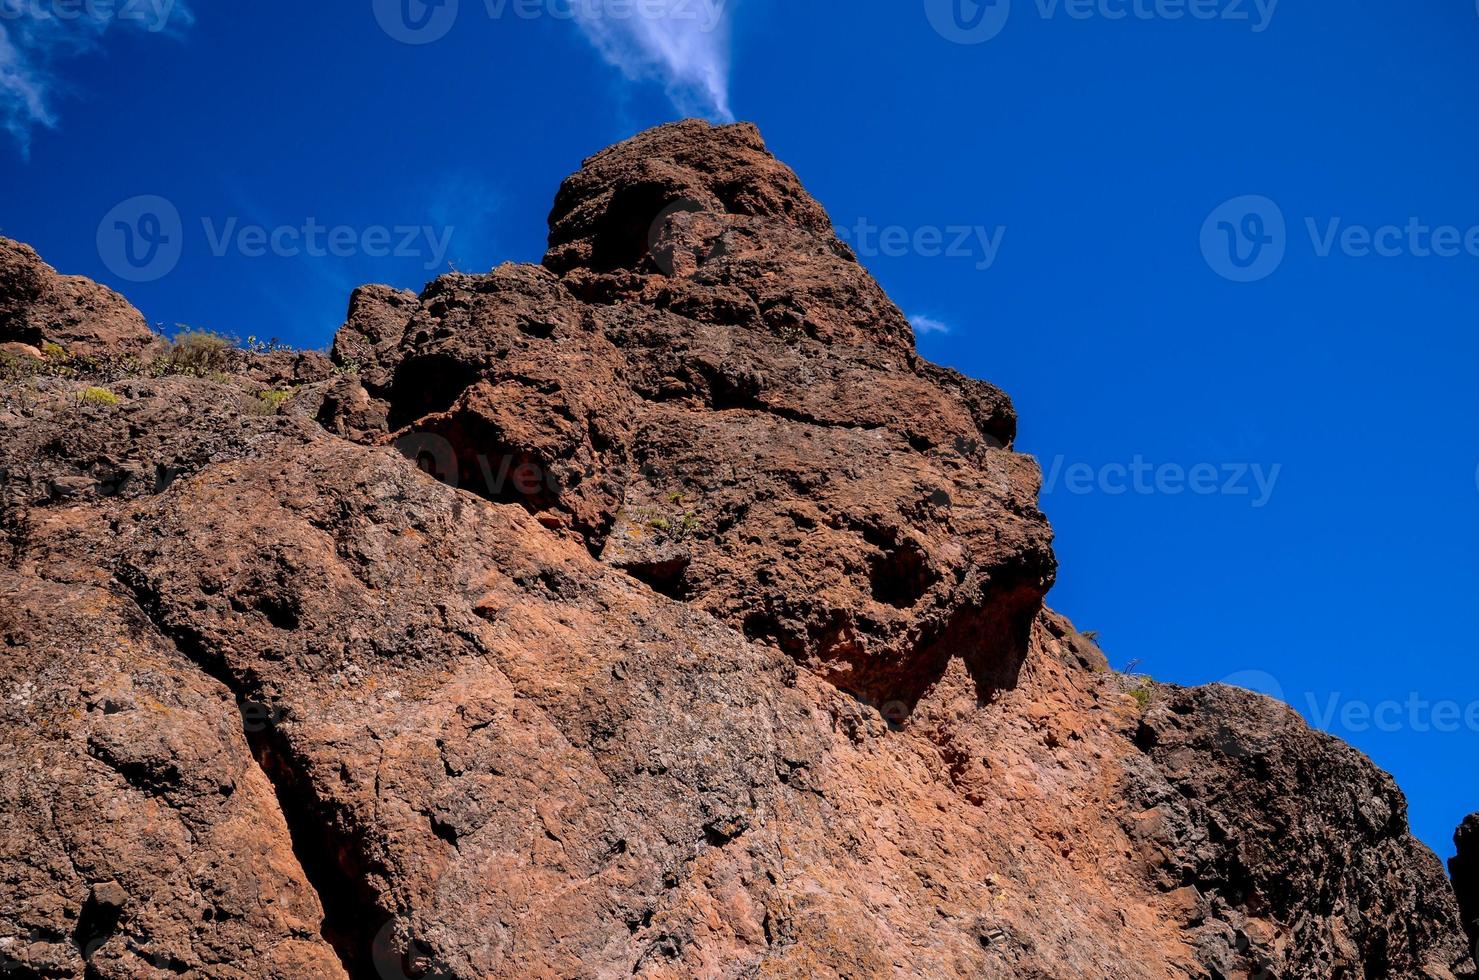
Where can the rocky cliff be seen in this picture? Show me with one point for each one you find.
(653, 611)
(1464, 867)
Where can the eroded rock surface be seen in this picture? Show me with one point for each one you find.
(747, 429)
(654, 611)
(1298, 888)
(38, 306)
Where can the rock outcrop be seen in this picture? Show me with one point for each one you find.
(1464, 867)
(38, 307)
(653, 611)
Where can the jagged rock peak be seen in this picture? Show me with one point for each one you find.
(603, 214)
(687, 415)
(703, 220)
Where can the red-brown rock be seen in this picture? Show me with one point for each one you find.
(656, 611)
(38, 306)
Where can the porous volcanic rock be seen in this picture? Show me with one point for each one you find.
(39, 306)
(653, 611)
(785, 462)
(1300, 842)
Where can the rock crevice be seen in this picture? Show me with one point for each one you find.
(351, 920)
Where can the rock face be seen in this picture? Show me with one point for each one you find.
(1465, 870)
(1302, 841)
(38, 306)
(755, 436)
(654, 611)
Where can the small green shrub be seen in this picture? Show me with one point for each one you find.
(1141, 687)
(792, 333)
(198, 353)
(98, 396)
(256, 345)
(273, 399)
(674, 525)
(19, 367)
(53, 351)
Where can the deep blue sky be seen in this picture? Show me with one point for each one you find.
(1101, 146)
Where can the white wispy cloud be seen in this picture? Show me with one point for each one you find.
(927, 324)
(35, 35)
(682, 43)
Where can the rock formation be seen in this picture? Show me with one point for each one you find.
(1464, 867)
(39, 307)
(654, 611)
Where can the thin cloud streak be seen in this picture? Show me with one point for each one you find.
(35, 35)
(927, 324)
(682, 43)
